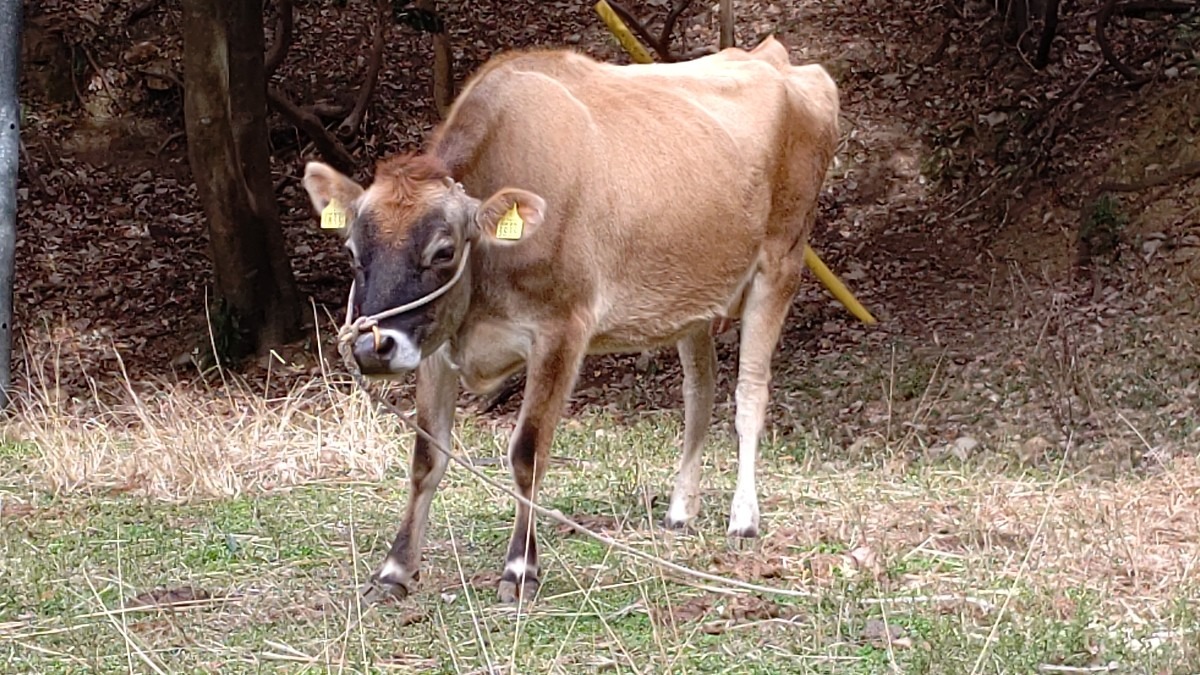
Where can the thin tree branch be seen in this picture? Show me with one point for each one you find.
(1182, 173)
(677, 9)
(1106, 48)
(283, 38)
(640, 29)
(1141, 8)
(310, 124)
(383, 21)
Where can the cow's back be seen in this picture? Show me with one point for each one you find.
(660, 181)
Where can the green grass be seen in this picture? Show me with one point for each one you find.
(278, 571)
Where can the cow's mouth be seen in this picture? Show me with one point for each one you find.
(385, 351)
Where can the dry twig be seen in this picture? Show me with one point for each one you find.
(353, 121)
(310, 124)
(283, 38)
(1106, 47)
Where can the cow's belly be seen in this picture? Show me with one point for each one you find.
(636, 318)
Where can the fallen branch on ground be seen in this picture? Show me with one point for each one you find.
(1143, 8)
(1135, 78)
(283, 38)
(661, 44)
(304, 120)
(353, 121)
(1184, 172)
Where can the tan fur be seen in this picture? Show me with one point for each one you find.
(674, 195)
(715, 160)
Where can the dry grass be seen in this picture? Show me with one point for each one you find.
(177, 441)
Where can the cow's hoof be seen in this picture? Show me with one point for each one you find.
(677, 525)
(376, 590)
(743, 538)
(511, 591)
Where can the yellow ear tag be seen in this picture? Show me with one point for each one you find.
(510, 225)
(333, 216)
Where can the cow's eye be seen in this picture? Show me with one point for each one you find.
(443, 256)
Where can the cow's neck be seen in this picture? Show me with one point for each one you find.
(494, 337)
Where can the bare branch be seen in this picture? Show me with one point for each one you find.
(677, 9)
(304, 120)
(1141, 8)
(350, 125)
(640, 29)
(1182, 173)
(1106, 48)
(283, 38)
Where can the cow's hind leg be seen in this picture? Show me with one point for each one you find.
(437, 388)
(766, 308)
(550, 376)
(698, 355)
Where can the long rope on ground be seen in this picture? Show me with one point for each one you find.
(553, 514)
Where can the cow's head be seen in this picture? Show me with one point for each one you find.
(408, 235)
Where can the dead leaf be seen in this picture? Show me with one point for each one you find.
(879, 634)
(595, 523)
(169, 597)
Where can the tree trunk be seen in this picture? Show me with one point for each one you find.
(10, 149)
(225, 112)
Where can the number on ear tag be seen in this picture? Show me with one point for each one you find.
(333, 216)
(510, 225)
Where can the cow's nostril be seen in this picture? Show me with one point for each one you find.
(385, 345)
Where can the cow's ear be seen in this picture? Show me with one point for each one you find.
(510, 215)
(331, 194)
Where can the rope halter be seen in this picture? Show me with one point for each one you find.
(352, 328)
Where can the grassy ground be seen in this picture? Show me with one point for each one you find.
(905, 567)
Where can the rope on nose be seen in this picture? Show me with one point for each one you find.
(353, 327)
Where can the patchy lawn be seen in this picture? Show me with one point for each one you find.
(912, 566)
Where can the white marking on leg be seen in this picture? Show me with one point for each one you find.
(698, 357)
(685, 502)
(516, 568)
(392, 571)
(751, 408)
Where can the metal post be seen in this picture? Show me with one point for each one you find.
(10, 153)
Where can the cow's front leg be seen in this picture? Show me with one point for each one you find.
(550, 376)
(437, 389)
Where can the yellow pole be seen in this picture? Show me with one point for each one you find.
(836, 286)
(640, 54)
(628, 40)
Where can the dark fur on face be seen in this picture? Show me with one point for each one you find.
(391, 271)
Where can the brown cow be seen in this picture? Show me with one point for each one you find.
(570, 207)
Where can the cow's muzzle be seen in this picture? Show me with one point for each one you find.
(383, 351)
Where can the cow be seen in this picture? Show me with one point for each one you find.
(567, 207)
